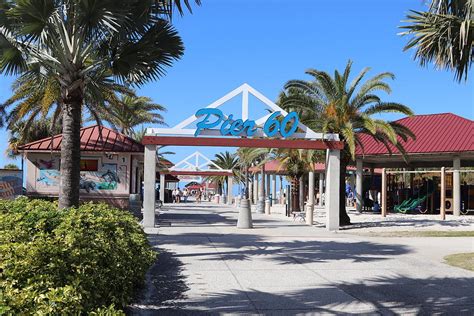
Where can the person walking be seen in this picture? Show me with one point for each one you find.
(185, 195)
(173, 195)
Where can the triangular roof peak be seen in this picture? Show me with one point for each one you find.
(245, 90)
(194, 162)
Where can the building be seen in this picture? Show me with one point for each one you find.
(444, 143)
(111, 166)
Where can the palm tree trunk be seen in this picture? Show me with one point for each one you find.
(295, 205)
(301, 193)
(71, 149)
(344, 219)
(246, 195)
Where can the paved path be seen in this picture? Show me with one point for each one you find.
(282, 267)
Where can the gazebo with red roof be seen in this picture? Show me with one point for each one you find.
(111, 166)
(442, 140)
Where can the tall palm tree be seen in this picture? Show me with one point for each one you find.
(297, 163)
(226, 161)
(38, 97)
(347, 109)
(248, 157)
(444, 34)
(22, 132)
(130, 41)
(131, 111)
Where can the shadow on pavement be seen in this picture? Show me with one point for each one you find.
(248, 246)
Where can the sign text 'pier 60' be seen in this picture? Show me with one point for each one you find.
(276, 124)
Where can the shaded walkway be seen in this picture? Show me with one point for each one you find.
(285, 267)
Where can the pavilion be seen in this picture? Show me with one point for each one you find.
(444, 143)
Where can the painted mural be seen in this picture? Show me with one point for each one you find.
(11, 183)
(106, 178)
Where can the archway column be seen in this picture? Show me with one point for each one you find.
(456, 187)
(230, 185)
(149, 189)
(162, 187)
(332, 189)
(321, 189)
(358, 188)
(310, 205)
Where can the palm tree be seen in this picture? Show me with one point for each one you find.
(338, 106)
(131, 42)
(38, 98)
(131, 111)
(444, 34)
(22, 132)
(226, 161)
(248, 157)
(297, 163)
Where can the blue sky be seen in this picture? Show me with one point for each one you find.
(267, 42)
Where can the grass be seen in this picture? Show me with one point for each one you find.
(423, 233)
(461, 260)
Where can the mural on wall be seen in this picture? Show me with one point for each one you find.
(107, 178)
(11, 183)
(48, 176)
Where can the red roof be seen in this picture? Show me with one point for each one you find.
(91, 140)
(435, 133)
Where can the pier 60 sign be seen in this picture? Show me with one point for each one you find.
(211, 118)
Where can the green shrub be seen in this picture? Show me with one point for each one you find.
(69, 261)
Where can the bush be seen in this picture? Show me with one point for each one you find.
(80, 260)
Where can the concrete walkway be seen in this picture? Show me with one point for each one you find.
(206, 265)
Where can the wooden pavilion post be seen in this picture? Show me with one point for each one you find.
(442, 205)
(384, 193)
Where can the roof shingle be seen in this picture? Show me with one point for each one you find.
(91, 140)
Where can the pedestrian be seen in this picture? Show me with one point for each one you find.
(199, 195)
(173, 195)
(185, 195)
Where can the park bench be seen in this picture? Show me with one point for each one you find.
(299, 215)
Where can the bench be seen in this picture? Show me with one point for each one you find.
(300, 215)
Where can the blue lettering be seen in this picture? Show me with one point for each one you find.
(273, 126)
(294, 126)
(204, 124)
(223, 126)
(236, 127)
(249, 128)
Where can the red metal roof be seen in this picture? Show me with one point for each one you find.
(91, 140)
(435, 133)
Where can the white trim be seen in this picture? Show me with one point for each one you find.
(181, 130)
(192, 164)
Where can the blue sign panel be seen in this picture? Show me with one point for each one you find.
(212, 118)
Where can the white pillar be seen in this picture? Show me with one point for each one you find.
(274, 188)
(321, 188)
(332, 189)
(255, 188)
(456, 187)
(310, 205)
(250, 191)
(268, 184)
(442, 202)
(384, 193)
(358, 189)
(162, 187)
(230, 186)
(149, 186)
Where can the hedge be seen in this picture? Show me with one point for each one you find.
(75, 261)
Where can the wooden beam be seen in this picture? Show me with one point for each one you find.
(242, 142)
